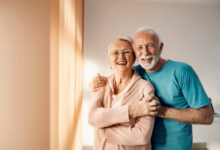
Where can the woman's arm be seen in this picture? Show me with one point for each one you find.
(100, 117)
(140, 134)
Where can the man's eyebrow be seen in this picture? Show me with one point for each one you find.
(151, 43)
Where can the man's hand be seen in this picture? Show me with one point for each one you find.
(155, 106)
(149, 105)
(97, 83)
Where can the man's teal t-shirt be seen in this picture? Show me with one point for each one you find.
(177, 86)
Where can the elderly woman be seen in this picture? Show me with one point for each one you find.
(120, 132)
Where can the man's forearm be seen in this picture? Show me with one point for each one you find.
(189, 115)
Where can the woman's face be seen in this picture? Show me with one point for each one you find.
(121, 62)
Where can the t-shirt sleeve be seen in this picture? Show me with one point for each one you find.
(192, 88)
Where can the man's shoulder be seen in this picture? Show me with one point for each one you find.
(139, 70)
(181, 67)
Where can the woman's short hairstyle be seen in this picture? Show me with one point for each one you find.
(121, 38)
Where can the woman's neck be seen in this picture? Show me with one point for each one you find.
(121, 80)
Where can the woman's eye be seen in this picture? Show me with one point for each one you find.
(115, 53)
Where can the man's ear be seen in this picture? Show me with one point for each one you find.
(161, 47)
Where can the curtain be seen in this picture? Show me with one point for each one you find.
(66, 72)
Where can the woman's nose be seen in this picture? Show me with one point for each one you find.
(121, 55)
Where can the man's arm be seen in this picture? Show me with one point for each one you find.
(192, 89)
(202, 115)
(150, 106)
(97, 114)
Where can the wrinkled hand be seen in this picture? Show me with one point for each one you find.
(154, 106)
(97, 83)
(149, 105)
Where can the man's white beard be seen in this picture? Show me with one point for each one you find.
(151, 65)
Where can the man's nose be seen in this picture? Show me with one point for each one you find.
(145, 51)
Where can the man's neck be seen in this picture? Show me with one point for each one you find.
(159, 65)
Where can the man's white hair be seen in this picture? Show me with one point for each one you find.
(121, 38)
(147, 29)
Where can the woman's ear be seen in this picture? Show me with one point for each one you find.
(134, 57)
(109, 60)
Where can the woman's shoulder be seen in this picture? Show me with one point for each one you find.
(145, 84)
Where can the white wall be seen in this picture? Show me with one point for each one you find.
(24, 77)
(190, 33)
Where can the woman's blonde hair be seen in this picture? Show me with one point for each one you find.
(121, 38)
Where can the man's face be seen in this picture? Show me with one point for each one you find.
(147, 49)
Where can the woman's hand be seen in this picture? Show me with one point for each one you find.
(97, 83)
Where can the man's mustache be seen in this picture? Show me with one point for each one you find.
(147, 57)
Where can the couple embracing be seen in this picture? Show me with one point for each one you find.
(149, 106)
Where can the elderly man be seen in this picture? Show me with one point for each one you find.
(182, 98)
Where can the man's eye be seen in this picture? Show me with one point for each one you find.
(139, 47)
(150, 46)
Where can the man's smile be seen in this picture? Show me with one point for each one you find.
(146, 60)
